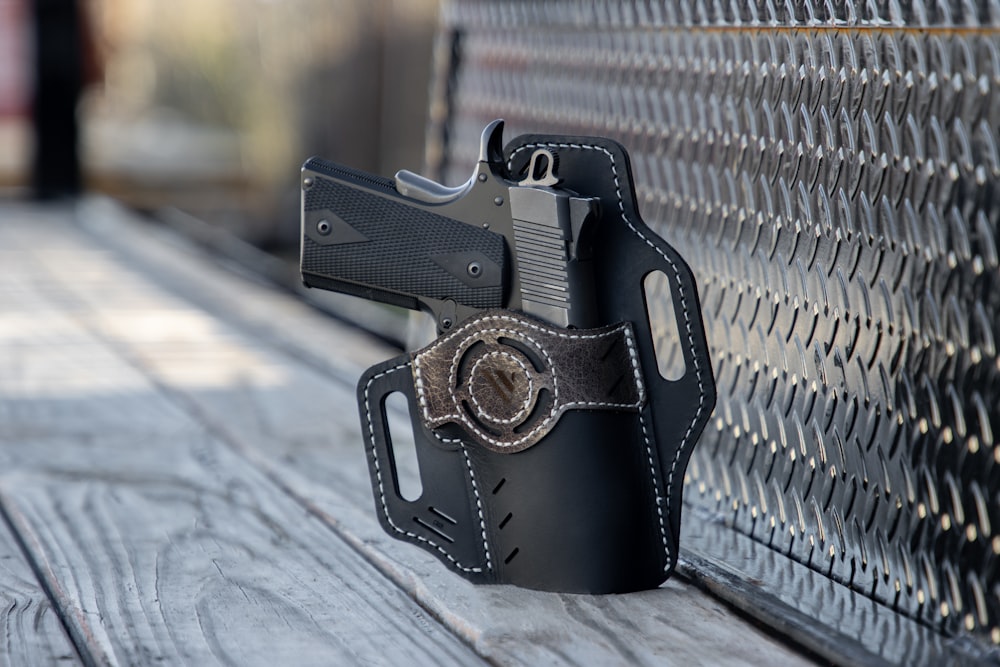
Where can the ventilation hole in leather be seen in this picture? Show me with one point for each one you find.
(505, 521)
(444, 516)
(511, 555)
(496, 489)
(436, 530)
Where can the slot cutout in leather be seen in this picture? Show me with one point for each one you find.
(663, 326)
(403, 447)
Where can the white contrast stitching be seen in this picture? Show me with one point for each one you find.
(633, 356)
(381, 487)
(556, 407)
(659, 500)
(475, 491)
(680, 290)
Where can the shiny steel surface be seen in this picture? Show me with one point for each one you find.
(830, 170)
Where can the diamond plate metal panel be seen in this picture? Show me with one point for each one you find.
(830, 170)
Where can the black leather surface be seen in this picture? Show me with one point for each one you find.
(594, 505)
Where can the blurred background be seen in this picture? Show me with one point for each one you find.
(207, 108)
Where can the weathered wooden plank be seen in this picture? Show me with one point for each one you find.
(303, 433)
(157, 542)
(30, 630)
(151, 568)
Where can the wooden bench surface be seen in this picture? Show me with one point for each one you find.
(182, 481)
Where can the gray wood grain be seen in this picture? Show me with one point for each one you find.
(30, 630)
(289, 407)
(158, 542)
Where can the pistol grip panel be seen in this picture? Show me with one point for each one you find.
(360, 236)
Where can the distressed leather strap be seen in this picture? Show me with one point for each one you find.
(506, 378)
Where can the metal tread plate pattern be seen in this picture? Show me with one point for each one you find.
(830, 170)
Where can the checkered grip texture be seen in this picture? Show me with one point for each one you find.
(399, 248)
(830, 171)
